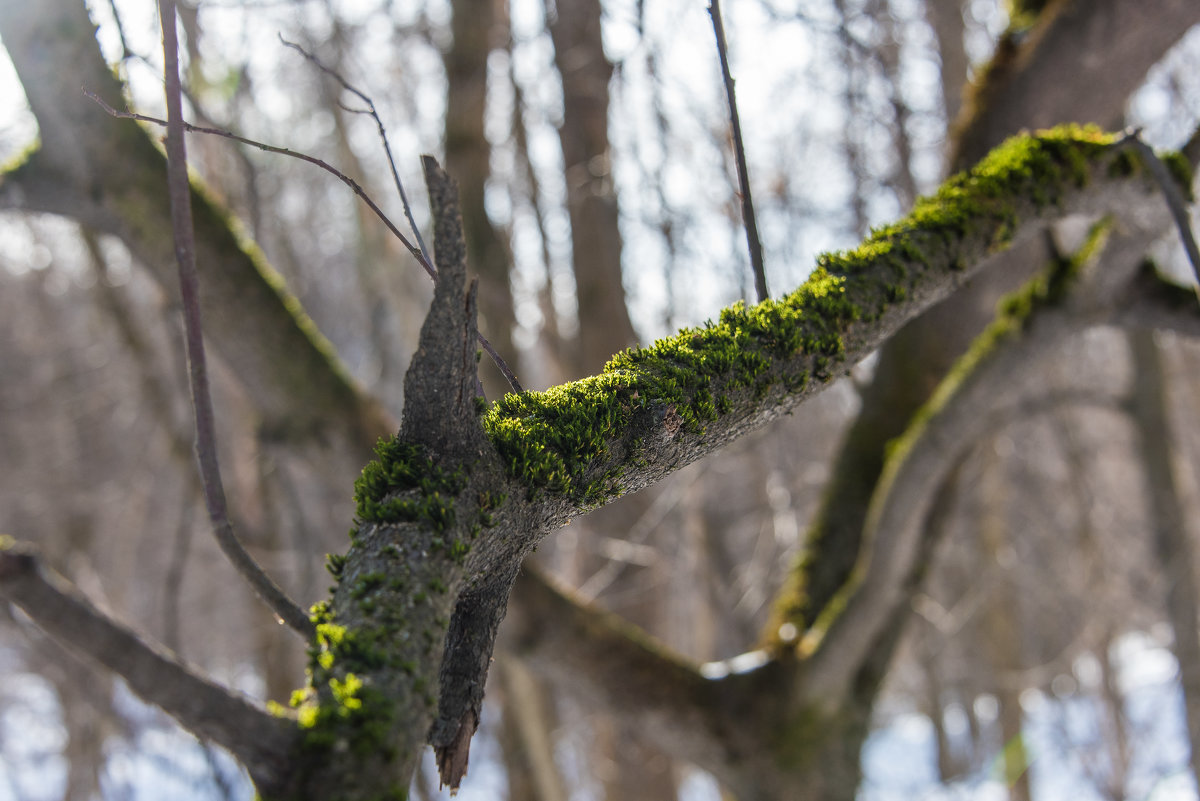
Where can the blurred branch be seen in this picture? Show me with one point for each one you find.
(894, 537)
(259, 740)
(1173, 195)
(1106, 45)
(206, 435)
(752, 239)
(416, 252)
(1072, 296)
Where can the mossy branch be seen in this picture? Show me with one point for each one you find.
(970, 402)
(655, 409)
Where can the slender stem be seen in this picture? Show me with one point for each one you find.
(752, 238)
(387, 147)
(189, 287)
(1172, 194)
(426, 263)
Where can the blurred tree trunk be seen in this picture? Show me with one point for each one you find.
(638, 771)
(527, 738)
(604, 325)
(478, 27)
(1004, 628)
(945, 17)
(1172, 542)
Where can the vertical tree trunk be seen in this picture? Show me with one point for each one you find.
(477, 27)
(1171, 541)
(604, 325)
(1004, 633)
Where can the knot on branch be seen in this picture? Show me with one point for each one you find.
(441, 384)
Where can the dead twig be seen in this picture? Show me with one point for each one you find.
(387, 148)
(189, 286)
(752, 238)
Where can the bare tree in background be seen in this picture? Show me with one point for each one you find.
(453, 504)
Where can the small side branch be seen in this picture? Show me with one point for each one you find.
(259, 740)
(752, 239)
(189, 284)
(1172, 194)
(418, 252)
(387, 148)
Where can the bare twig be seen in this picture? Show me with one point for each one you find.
(1171, 193)
(283, 151)
(425, 263)
(387, 148)
(185, 255)
(752, 239)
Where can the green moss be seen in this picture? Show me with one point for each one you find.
(335, 563)
(21, 158)
(557, 440)
(553, 440)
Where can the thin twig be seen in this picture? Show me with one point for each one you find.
(425, 263)
(283, 151)
(189, 287)
(1171, 193)
(752, 239)
(370, 109)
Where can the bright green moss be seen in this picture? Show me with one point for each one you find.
(400, 467)
(551, 440)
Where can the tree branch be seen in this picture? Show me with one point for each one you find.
(753, 242)
(1049, 309)
(206, 431)
(656, 409)
(257, 739)
(598, 656)
(1174, 196)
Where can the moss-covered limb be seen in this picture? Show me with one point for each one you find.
(260, 742)
(1027, 327)
(909, 367)
(657, 408)
(108, 174)
(373, 669)
(421, 552)
(1107, 45)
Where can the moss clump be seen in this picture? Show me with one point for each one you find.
(1040, 167)
(553, 440)
(400, 466)
(403, 484)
